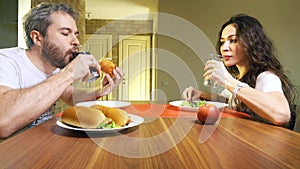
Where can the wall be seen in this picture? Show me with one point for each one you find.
(118, 27)
(121, 9)
(8, 23)
(280, 19)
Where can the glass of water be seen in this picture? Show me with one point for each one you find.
(94, 74)
(211, 82)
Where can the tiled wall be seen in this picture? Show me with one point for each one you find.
(116, 28)
(125, 27)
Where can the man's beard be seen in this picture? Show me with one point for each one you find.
(54, 55)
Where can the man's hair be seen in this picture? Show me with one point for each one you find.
(38, 18)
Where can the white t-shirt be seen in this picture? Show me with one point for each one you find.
(18, 72)
(268, 82)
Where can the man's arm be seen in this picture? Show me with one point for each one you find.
(19, 107)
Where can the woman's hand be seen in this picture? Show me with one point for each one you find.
(217, 71)
(191, 93)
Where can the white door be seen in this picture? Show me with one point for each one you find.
(99, 45)
(134, 59)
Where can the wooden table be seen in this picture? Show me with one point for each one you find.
(160, 142)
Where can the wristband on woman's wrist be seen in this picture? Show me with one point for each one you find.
(238, 86)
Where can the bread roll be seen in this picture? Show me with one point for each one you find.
(107, 66)
(119, 116)
(84, 117)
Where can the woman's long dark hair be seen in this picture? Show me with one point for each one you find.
(259, 54)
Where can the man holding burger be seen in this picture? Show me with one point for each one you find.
(33, 79)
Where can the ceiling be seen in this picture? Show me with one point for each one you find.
(118, 9)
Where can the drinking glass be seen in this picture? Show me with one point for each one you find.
(94, 74)
(211, 82)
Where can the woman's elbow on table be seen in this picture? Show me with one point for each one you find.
(282, 117)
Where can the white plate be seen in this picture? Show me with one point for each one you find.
(177, 103)
(135, 121)
(108, 103)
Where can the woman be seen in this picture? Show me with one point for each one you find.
(253, 77)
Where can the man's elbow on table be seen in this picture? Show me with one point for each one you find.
(5, 130)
